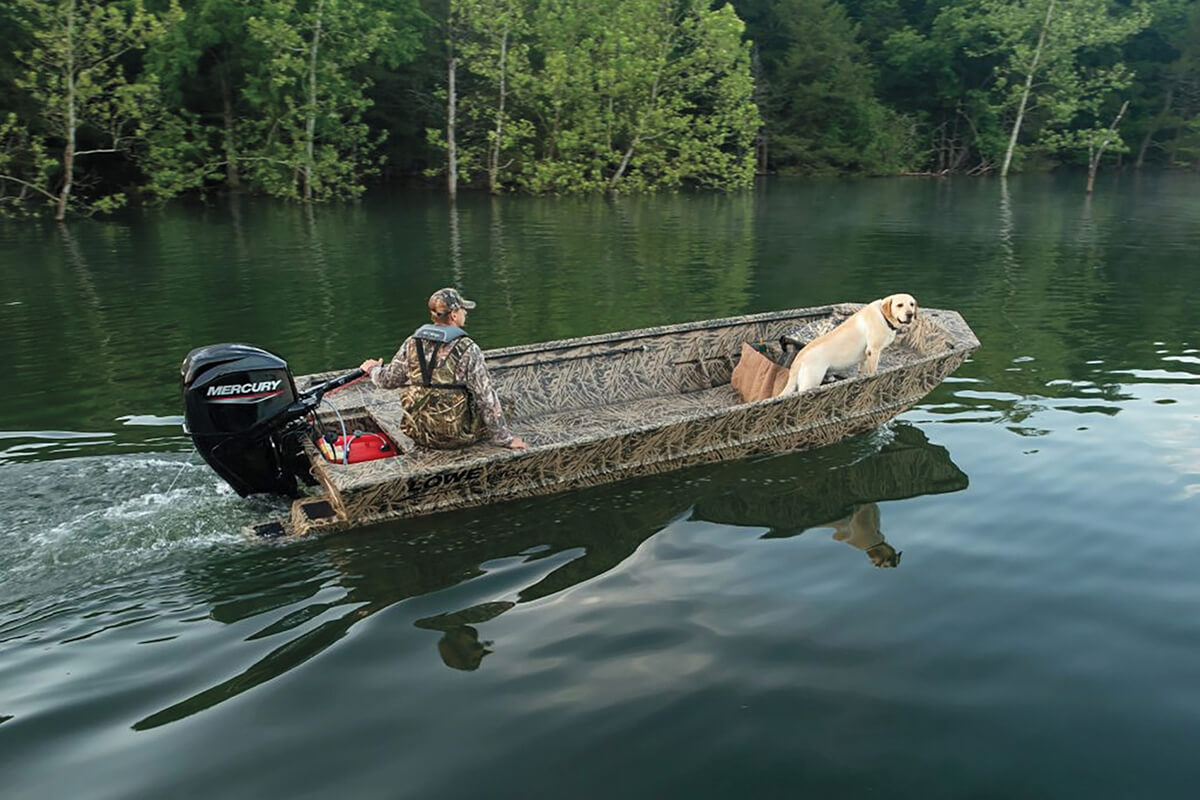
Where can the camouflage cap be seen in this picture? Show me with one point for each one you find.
(443, 301)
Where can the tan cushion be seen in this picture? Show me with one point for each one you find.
(756, 376)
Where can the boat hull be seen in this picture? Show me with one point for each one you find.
(600, 409)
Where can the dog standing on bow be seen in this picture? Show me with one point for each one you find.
(858, 341)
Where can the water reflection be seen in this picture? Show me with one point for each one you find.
(861, 530)
(91, 307)
(315, 592)
(906, 466)
(460, 647)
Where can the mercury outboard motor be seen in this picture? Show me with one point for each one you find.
(246, 418)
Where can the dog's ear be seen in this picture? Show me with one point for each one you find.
(886, 307)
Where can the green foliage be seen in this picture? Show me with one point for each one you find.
(25, 169)
(1054, 59)
(643, 96)
(1177, 124)
(926, 69)
(492, 44)
(1073, 144)
(309, 141)
(568, 96)
(302, 99)
(74, 73)
(822, 112)
(273, 96)
(202, 64)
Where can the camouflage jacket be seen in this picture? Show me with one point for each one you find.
(445, 417)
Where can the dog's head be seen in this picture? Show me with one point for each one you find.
(884, 555)
(899, 309)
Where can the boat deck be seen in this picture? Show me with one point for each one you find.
(542, 432)
(577, 424)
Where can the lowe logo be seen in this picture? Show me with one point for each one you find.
(422, 485)
(244, 392)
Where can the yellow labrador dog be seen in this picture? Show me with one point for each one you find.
(860, 338)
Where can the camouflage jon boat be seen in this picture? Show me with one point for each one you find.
(593, 409)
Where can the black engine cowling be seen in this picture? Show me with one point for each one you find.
(243, 412)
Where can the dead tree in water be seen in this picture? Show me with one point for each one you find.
(451, 145)
(1026, 91)
(1096, 151)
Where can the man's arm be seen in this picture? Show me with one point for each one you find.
(394, 373)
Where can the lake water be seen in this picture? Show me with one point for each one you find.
(714, 632)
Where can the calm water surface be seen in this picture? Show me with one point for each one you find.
(714, 632)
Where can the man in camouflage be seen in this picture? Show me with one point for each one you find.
(444, 383)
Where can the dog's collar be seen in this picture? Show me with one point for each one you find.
(888, 321)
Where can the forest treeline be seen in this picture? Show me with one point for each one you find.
(103, 103)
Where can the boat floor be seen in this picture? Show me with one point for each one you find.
(589, 423)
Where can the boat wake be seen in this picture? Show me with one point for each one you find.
(82, 520)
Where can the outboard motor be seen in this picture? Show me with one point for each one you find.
(246, 418)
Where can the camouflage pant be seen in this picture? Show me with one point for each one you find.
(440, 418)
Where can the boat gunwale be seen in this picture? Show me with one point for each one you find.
(634, 334)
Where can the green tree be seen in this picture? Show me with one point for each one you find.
(1095, 141)
(486, 50)
(1052, 57)
(202, 65)
(927, 68)
(641, 96)
(560, 96)
(75, 74)
(25, 166)
(1184, 147)
(309, 140)
(820, 106)
(494, 48)
(1166, 57)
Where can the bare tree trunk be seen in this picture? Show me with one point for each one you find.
(64, 193)
(761, 90)
(232, 179)
(310, 124)
(1149, 137)
(612, 184)
(495, 147)
(1094, 157)
(456, 265)
(552, 145)
(451, 146)
(1037, 54)
(637, 136)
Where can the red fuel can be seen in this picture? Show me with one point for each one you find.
(363, 447)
